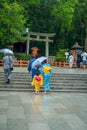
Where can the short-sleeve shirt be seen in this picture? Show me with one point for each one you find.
(7, 61)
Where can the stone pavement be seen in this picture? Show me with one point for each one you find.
(53, 111)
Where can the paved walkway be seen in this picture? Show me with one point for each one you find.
(54, 111)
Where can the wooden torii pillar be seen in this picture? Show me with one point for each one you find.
(43, 37)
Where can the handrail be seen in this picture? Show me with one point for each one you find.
(24, 63)
(18, 63)
(64, 64)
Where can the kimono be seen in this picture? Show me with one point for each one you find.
(30, 67)
(37, 82)
(46, 73)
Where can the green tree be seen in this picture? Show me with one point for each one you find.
(63, 12)
(11, 23)
(81, 18)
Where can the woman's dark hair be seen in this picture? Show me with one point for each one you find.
(37, 72)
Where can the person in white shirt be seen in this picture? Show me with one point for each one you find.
(71, 60)
(84, 59)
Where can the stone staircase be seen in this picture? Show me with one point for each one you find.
(21, 81)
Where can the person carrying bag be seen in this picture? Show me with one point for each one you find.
(7, 64)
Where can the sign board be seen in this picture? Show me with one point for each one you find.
(66, 53)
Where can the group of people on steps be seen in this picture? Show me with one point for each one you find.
(77, 58)
(40, 74)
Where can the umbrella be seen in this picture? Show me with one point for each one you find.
(38, 61)
(76, 46)
(78, 52)
(6, 50)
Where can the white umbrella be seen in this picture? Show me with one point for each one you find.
(38, 61)
(6, 50)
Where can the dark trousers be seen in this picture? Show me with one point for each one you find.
(78, 64)
(7, 74)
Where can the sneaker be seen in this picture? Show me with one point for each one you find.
(44, 92)
(8, 81)
(36, 93)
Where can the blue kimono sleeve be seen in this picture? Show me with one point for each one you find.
(30, 64)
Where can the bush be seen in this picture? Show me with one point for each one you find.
(22, 56)
(60, 56)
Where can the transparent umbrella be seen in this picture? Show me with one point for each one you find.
(78, 52)
(6, 50)
(38, 61)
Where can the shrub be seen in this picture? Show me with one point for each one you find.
(60, 56)
(22, 56)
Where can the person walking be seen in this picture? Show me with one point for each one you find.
(7, 65)
(46, 73)
(37, 82)
(84, 59)
(34, 57)
(30, 69)
(71, 60)
(79, 60)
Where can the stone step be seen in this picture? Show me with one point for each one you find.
(55, 83)
(61, 77)
(54, 74)
(52, 87)
(53, 80)
(58, 82)
(42, 90)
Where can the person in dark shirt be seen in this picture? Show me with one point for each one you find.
(79, 60)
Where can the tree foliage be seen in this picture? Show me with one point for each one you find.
(63, 17)
(80, 22)
(64, 11)
(11, 23)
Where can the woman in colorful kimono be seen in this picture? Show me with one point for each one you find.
(30, 69)
(37, 82)
(46, 73)
(34, 57)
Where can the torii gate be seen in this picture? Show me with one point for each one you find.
(44, 37)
